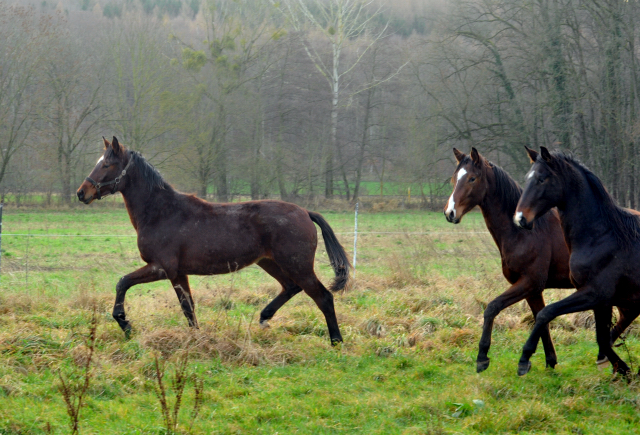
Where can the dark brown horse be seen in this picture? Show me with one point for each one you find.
(604, 241)
(181, 235)
(531, 260)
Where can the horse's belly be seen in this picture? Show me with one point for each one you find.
(217, 263)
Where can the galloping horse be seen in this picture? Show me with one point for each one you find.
(604, 241)
(181, 235)
(531, 260)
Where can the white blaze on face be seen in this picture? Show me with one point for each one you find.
(99, 160)
(531, 174)
(451, 206)
(517, 217)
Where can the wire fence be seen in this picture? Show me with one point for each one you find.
(56, 253)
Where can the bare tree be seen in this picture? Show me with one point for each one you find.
(72, 83)
(22, 36)
(338, 22)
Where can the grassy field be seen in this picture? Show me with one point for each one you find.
(411, 324)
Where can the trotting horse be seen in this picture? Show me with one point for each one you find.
(604, 241)
(181, 235)
(531, 260)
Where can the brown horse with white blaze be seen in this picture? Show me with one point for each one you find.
(531, 261)
(181, 235)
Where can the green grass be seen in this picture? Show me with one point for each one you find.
(411, 326)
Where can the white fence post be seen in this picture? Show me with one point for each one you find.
(355, 241)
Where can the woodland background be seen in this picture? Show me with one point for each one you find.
(303, 99)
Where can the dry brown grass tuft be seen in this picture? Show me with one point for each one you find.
(81, 355)
(461, 337)
(583, 320)
(87, 300)
(167, 341)
(373, 327)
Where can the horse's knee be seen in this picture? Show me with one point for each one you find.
(122, 285)
(544, 316)
(492, 310)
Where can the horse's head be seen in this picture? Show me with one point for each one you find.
(470, 185)
(106, 177)
(543, 188)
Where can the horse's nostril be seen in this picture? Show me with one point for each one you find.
(80, 194)
(522, 222)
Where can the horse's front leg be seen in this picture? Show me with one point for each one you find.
(148, 273)
(584, 299)
(517, 292)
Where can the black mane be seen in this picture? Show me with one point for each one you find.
(625, 225)
(508, 190)
(148, 174)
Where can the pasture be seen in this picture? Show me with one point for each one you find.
(411, 325)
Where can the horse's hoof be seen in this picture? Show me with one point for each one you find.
(127, 334)
(551, 364)
(523, 368)
(603, 363)
(336, 341)
(264, 324)
(481, 366)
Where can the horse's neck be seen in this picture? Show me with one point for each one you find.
(581, 218)
(141, 203)
(498, 221)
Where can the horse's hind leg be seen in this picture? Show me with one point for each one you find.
(536, 302)
(625, 318)
(183, 291)
(148, 273)
(324, 300)
(603, 336)
(289, 290)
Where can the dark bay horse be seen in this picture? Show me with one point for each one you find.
(181, 235)
(531, 260)
(604, 241)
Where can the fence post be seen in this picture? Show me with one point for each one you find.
(355, 240)
(1, 205)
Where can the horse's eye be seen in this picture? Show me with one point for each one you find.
(472, 179)
(540, 180)
(105, 166)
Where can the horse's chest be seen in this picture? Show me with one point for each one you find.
(587, 265)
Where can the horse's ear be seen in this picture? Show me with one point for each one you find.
(107, 144)
(116, 146)
(476, 157)
(533, 155)
(459, 156)
(546, 155)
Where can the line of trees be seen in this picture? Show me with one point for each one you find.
(315, 98)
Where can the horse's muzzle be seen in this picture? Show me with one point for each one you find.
(451, 217)
(521, 221)
(83, 198)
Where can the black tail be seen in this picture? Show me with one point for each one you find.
(335, 251)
